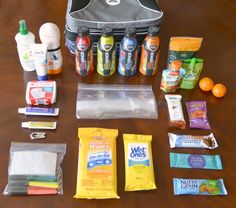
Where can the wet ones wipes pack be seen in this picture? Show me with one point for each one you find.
(97, 177)
(139, 171)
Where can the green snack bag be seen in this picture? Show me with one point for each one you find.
(193, 68)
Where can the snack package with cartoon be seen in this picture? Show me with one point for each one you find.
(97, 177)
(171, 77)
(197, 113)
(139, 171)
(193, 68)
(199, 187)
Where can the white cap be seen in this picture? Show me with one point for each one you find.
(49, 34)
(21, 110)
(25, 124)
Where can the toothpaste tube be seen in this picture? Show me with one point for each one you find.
(35, 111)
(199, 187)
(191, 141)
(39, 125)
(195, 161)
(175, 111)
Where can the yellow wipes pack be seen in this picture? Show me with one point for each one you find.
(96, 176)
(139, 171)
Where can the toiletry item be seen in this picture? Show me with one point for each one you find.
(40, 60)
(150, 52)
(41, 92)
(39, 125)
(84, 53)
(36, 111)
(199, 187)
(49, 34)
(24, 39)
(139, 169)
(175, 111)
(128, 53)
(106, 53)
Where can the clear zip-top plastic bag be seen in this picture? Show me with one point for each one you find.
(98, 101)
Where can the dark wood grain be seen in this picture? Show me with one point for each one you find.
(212, 20)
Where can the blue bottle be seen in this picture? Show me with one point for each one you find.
(128, 53)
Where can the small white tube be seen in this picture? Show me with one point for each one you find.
(39, 52)
(35, 111)
(39, 125)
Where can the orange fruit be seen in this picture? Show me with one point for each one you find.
(206, 84)
(219, 90)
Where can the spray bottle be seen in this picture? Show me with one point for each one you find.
(24, 39)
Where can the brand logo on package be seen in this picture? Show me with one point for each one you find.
(113, 2)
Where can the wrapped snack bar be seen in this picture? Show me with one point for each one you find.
(199, 187)
(175, 111)
(192, 141)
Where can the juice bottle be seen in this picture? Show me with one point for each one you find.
(84, 53)
(128, 53)
(150, 52)
(106, 53)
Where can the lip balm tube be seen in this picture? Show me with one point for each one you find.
(39, 125)
(35, 111)
(40, 60)
(175, 111)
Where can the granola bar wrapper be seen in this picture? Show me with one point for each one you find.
(199, 187)
(197, 113)
(192, 141)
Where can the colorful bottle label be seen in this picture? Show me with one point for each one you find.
(84, 56)
(128, 57)
(106, 56)
(150, 56)
(54, 59)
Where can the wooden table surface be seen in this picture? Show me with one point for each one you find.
(212, 20)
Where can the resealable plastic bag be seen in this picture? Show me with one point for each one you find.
(35, 169)
(98, 101)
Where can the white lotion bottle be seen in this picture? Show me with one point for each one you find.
(49, 34)
(24, 39)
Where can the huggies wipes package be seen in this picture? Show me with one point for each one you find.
(139, 171)
(96, 176)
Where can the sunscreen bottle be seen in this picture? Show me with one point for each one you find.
(24, 39)
(49, 34)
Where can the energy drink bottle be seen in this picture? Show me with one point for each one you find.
(150, 52)
(84, 53)
(128, 53)
(106, 53)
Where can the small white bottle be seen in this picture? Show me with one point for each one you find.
(49, 34)
(24, 39)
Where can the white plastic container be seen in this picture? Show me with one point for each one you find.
(24, 39)
(49, 34)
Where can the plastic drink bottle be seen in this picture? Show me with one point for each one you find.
(150, 52)
(84, 53)
(106, 53)
(24, 39)
(49, 34)
(128, 53)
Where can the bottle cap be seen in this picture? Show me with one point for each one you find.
(25, 124)
(23, 30)
(153, 31)
(83, 31)
(107, 31)
(130, 32)
(176, 65)
(21, 110)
